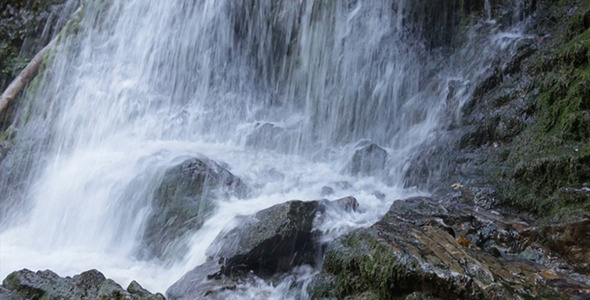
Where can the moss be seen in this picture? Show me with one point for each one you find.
(553, 153)
(364, 265)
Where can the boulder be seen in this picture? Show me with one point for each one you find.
(327, 191)
(268, 136)
(445, 250)
(183, 201)
(26, 284)
(270, 242)
(368, 160)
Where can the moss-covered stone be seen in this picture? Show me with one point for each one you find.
(183, 201)
(424, 248)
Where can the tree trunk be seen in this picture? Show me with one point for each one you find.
(28, 73)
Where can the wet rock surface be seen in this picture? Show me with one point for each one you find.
(369, 159)
(26, 284)
(524, 132)
(270, 242)
(269, 136)
(184, 200)
(448, 249)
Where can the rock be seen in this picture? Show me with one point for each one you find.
(183, 201)
(270, 242)
(569, 238)
(8, 295)
(327, 191)
(379, 195)
(92, 284)
(204, 280)
(343, 185)
(268, 136)
(349, 204)
(135, 289)
(483, 196)
(368, 160)
(273, 240)
(4, 148)
(445, 250)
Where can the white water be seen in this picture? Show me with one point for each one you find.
(146, 82)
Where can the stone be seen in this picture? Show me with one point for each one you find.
(270, 242)
(348, 204)
(445, 250)
(26, 284)
(368, 160)
(137, 290)
(327, 191)
(268, 136)
(183, 201)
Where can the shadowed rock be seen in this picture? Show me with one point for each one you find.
(268, 136)
(184, 200)
(368, 160)
(26, 284)
(270, 242)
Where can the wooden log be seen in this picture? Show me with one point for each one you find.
(29, 72)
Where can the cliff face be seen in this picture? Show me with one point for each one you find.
(523, 139)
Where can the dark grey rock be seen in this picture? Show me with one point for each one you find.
(203, 281)
(4, 148)
(183, 201)
(268, 136)
(379, 195)
(327, 191)
(447, 250)
(273, 240)
(92, 284)
(270, 242)
(349, 204)
(137, 290)
(368, 160)
(343, 185)
(484, 196)
(8, 295)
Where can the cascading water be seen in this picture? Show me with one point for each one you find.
(142, 83)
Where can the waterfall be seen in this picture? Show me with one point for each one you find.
(138, 84)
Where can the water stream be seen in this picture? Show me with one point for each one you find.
(143, 83)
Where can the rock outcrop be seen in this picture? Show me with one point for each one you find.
(524, 133)
(369, 159)
(270, 242)
(184, 200)
(26, 284)
(447, 250)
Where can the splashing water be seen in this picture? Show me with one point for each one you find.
(141, 83)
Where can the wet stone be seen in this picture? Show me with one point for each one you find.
(368, 160)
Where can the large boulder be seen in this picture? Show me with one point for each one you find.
(26, 284)
(183, 201)
(446, 250)
(269, 136)
(368, 160)
(272, 241)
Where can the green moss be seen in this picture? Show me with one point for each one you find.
(553, 153)
(364, 264)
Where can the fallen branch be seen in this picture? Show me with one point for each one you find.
(29, 72)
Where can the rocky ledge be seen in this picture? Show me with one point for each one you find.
(424, 249)
(268, 243)
(26, 284)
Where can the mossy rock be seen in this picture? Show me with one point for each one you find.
(185, 198)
